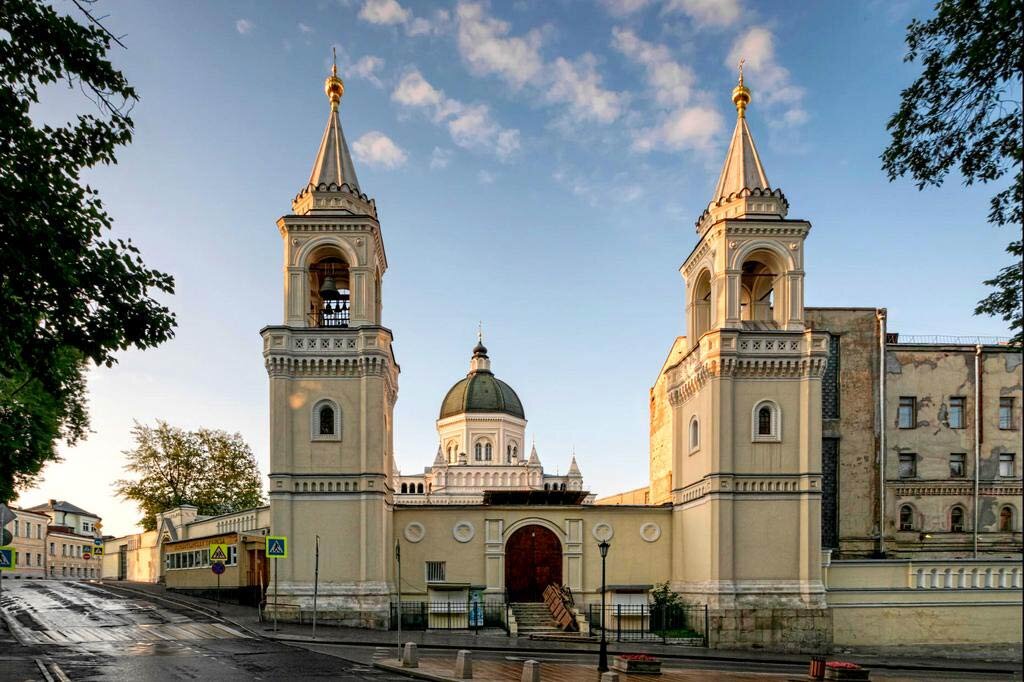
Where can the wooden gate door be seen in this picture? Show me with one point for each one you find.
(533, 560)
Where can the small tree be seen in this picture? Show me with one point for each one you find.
(213, 470)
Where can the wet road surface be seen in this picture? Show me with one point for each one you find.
(92, 633)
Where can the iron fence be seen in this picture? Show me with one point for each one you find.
(668, 624)
(451, 615)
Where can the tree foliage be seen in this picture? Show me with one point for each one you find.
(69, 296)
(963, 113)
(210, 469)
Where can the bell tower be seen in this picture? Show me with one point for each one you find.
(333, 386)
(738, 410)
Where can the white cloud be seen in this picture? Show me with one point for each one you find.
(685, 128)
(303, 28)
(440, 158)
(414, 91)
(485, 47)
(769, 81)
(485, 177)
(707, 12)
(366, 68)
(622, 8)
(377, 149)
(384, 12)
(579, 86)
(669, 81)
(244, 26)
(470, 126)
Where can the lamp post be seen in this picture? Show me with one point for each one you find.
(602, 660)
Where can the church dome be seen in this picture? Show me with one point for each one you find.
(481, 391)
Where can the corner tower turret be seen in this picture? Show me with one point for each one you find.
(333, 387)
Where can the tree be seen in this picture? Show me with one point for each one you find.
(69, 296)
(964, 112)
(210, 469)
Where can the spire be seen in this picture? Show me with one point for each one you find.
(333, 171)
(743, 176)
(534, 459)
(480, 362)
(439, 459)
(574, 470)
(333, 163)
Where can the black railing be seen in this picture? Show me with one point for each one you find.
(332, 314)
(681, 623)
(451, 615)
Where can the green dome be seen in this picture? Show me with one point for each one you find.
(481, 391)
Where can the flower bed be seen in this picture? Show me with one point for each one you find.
(842, 670)
(640, 664)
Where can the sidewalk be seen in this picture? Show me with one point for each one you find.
(247, 618)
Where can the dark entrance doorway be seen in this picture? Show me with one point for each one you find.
(533, 560)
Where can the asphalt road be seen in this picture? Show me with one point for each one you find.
(83, 631)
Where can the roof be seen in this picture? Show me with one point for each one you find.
(481, 391)
(62, 506)
(742, 168)
(333, 165)
(548, 498)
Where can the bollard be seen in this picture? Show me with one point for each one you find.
(531, 671)
(410, 659)
(464, 665)
(610, 676)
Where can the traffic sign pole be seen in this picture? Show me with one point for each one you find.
(275, 594)
(316, 581)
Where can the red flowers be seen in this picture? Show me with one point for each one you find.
(636, 657)
(842, 665)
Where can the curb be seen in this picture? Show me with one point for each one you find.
(415, 673)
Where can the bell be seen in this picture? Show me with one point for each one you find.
(329, 290)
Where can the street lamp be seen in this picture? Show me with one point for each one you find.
(602, 660)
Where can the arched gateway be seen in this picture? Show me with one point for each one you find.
(533, 560)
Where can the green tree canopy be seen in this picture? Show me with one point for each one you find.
(963, 113)
(213, 470)
(69, 296)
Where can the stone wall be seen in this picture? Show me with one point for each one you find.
(785, 630)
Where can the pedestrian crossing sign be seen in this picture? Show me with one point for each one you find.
(218, 552)
(277, 547)
(97, 550)
(7, 558)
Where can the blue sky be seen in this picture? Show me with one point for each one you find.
(536, 166)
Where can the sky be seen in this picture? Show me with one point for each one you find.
(537, 167)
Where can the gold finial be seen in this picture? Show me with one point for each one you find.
(741, 94)
(333, 86)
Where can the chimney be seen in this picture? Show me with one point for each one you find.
(53, 503)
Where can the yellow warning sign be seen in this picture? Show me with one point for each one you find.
(218, 552)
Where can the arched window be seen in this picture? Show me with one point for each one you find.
(694, 434)
(956, 519)
(487, 452)
(1006, 519)
(508, 454)
(405, 487)
(563, 486)
(906, 517)
(766, 422)
(325, 418)
(479, 452)
(515, 451)
(419, 488)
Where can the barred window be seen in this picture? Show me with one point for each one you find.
(435, 571)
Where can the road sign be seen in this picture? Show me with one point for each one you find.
(8, 555)
(97, 550)
(218, 552)
(86, 555)
(277, 547)
(98, 542)
(217, 567)
(6, 537)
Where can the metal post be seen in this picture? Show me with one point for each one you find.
(218, 588)
(977, 441)
(316, 581)
(602, 659)
(275, 594)
(880, 314)
(398, 590)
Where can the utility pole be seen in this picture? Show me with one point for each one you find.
(398, 560)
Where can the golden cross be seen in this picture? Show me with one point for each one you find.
(742, 60)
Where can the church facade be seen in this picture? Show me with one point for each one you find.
(749, 497)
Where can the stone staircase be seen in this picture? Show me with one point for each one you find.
(534, 618)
